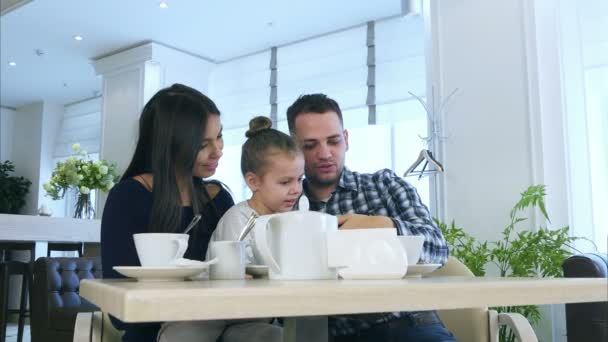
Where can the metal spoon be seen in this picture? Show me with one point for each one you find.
(248, 226)
(193, 223)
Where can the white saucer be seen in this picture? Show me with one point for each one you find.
(419, 270)
(257, 270)
(161, 273)
(347, 274)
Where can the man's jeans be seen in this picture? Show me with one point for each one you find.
(405, 329)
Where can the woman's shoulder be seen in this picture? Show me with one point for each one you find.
(217, 191)
(129, 187)
(127, 200)
(128, 193)
(220, 196)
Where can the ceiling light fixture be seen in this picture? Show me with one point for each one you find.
(163, 5)
(12, 63)
(78, 38)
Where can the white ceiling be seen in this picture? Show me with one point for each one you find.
(217, 30)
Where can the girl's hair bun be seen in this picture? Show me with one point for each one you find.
(257, 125)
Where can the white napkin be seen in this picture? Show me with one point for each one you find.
(303, 203)
(190, 262)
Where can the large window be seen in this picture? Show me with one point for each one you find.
(585, 75)
(337, 64)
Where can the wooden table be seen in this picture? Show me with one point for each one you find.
(133, 301)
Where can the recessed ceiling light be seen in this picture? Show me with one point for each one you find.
(78, 38)
(12, 63)
(163, 5)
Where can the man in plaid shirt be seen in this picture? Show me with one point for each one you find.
(377, 200)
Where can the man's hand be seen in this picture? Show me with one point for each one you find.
(356, 221)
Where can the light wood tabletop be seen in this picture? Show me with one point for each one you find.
(133, 301)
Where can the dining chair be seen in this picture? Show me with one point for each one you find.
(8, 269)
(16, 268)
(479, 324)
(95, 327)
(55, 296)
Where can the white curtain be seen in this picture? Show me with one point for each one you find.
(584, 54)
(81, 124)
(240, 89)
(400, 62)
(334, 64)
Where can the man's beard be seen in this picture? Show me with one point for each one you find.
(324, 183)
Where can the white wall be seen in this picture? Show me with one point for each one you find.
(7, 124)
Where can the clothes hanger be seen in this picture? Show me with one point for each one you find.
(426, 156)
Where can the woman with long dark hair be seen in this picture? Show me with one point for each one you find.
(180, 144)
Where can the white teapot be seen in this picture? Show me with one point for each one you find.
(308, 245)
(294, 244)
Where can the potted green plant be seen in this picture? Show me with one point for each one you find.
(82, 175)
(527, 253)
(12, 189)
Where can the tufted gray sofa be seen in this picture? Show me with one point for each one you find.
(55, 300)
(587, 321)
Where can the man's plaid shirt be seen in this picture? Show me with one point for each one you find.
(386, 194)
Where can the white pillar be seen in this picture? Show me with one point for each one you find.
(479, 47)
(27, 137)
(34, 135)
(130, 78)
(7, 125)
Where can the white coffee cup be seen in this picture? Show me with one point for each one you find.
(231, 260)
(160, 249)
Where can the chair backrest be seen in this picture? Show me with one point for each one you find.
(95, 327)
(466, 324)
(55, 298)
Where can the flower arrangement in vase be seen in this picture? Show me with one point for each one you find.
(82, 175)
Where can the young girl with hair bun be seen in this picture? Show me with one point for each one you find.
(273, 167)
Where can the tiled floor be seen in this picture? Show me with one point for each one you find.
(11, 333)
